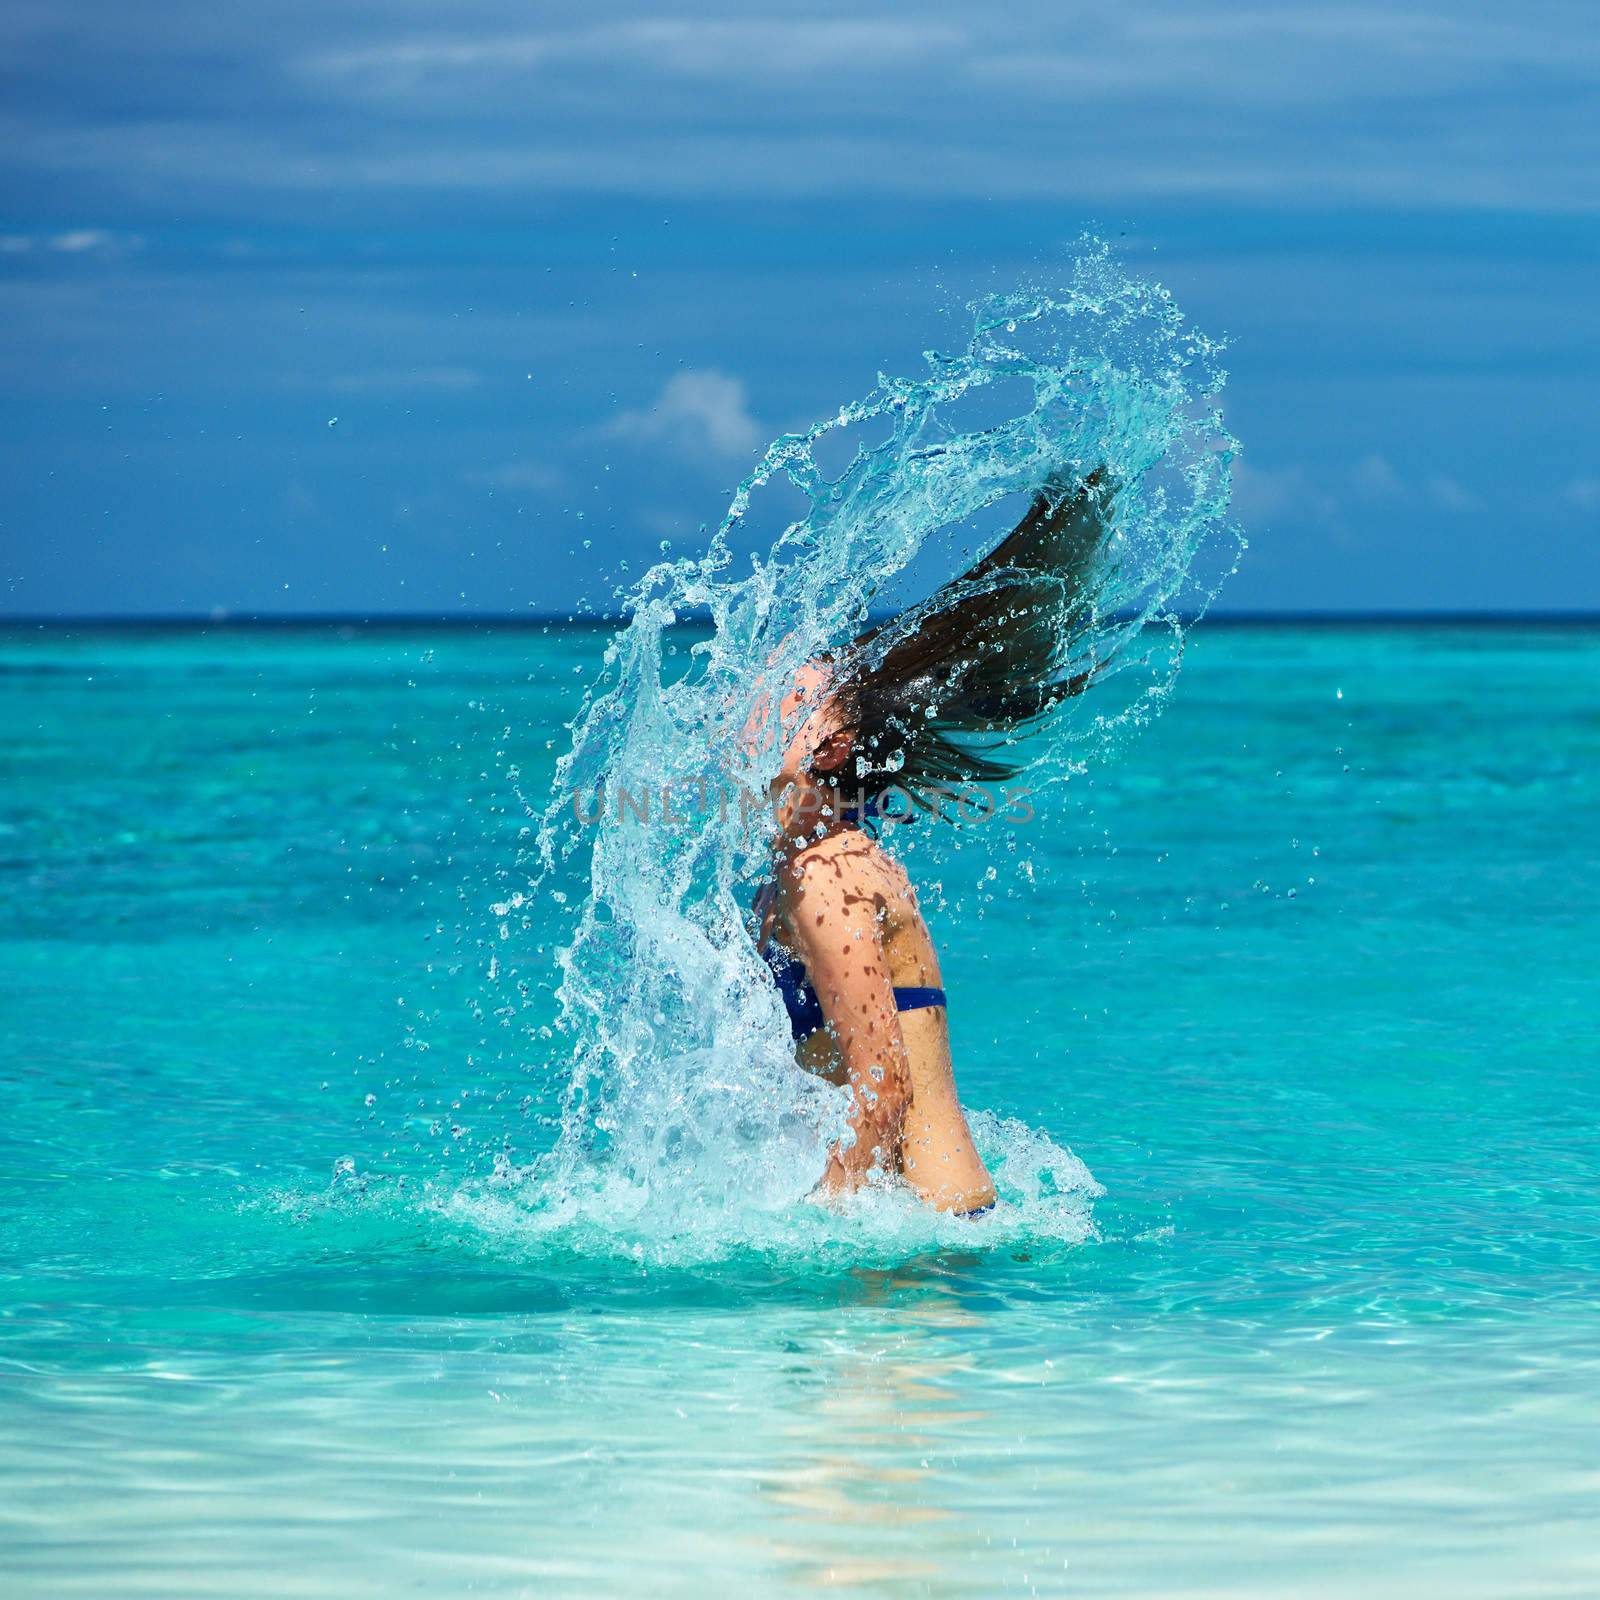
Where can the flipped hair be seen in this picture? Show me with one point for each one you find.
(933, 697)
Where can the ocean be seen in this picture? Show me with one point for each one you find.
(1280, 1026)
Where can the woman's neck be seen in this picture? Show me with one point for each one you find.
(816, 813)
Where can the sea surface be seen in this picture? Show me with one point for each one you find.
(1306, 978)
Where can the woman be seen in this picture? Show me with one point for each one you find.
(920, 704)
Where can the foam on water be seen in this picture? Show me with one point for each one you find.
(681, 1122)
(598, 1212)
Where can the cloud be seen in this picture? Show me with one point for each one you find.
(1229, 54)
(724, 48)
(1245, 56)
(1291, 492)
(1270, 493)
(80, 239)
(73, 242)
(1376, 479)
(534, 475)
(1450, 495)
(703, 410)
(94, 241)
(1296, 108)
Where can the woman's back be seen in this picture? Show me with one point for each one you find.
(847, 909)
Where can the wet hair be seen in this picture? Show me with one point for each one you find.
(931, 699)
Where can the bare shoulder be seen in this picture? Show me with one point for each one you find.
(849, 864)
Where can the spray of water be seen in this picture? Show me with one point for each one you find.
(682, 1116)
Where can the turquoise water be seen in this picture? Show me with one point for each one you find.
(1305, 979)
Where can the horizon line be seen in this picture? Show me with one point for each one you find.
(462, 621)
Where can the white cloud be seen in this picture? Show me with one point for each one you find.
(625, 133)
(739, 48)
(534, 475)
(1270, 493)
(1294, 494)
(1298, 107)
(1450, 495)
(1375, 478)
(1229, 54)
(704, 409)
(79, 240)
(1246, 56)
(85, 241)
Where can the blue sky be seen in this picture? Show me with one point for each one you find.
(559, 271)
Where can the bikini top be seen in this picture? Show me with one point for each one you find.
(805, 1009)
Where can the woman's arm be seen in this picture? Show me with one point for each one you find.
(836, 919)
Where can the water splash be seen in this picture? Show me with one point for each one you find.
(682, 1114)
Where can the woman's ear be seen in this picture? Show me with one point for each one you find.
(831, 753)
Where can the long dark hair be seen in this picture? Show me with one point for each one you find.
(931, 698)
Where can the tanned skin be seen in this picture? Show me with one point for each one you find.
(846, 909)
